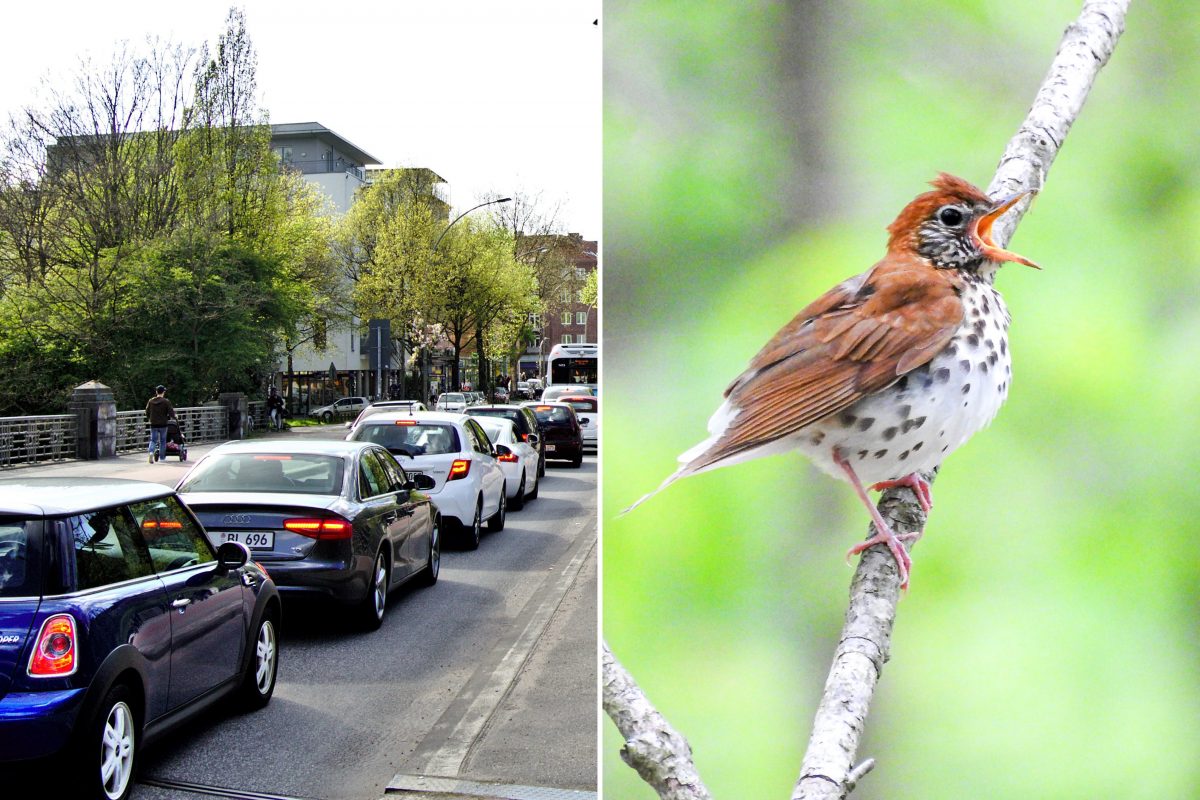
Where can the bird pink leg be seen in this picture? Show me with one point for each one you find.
(883, 534)
(915, 482)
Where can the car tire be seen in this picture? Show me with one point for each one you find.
(542, 464)
(433, 565)
(258, 682)
(109, 740)
(470, 534)
(373, 606)
(533, 493)
(327, 417)
(577, 462)
(519, 500)
(496, 521)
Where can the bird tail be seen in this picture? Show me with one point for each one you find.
(682, 472)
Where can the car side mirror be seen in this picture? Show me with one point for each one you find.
(231, 556)
(533, 439)
(349, 425)
(423, 482)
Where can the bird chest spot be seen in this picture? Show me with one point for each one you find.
(966, 388)
(865, 423)
(880, 453)
(890, 434)
(965, 364)
(942, 375)
(847, 419)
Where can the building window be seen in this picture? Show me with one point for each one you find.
(284, 153)
(565, 295)
(581, 318)
(566, 318)
(566, 338)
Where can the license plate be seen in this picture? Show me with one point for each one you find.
(255, 540)
(549, 448)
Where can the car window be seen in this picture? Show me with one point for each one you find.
(479, 441)
(18, 557)
(173, 538)
(586, 406)
(300, 473)
(411, 437)
(108, 549)
(394, 471)
(552, 415)
(370, 482)
(382, 478)
(495, 430)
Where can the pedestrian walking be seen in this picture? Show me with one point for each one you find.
(159, 411)
(275, 409)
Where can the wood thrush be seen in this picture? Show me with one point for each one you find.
(889, 372)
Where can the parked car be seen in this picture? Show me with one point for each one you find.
(475, 398)
(555, 393)
(343, 407)
(331, 519)
(499, 395)
(451, 401)
(525, 422)
(452, 450)
(518, 460)
(588, 411)
(523, 391)
(118, 621)
(560, 431)
(381, 406)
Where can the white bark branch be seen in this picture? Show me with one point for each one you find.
(828, 771)
(652, 747)
(661, 756)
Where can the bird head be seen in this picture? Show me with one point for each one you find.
(951, 227)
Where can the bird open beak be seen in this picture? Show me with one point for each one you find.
(983, 232)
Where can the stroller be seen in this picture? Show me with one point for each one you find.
(176, 443)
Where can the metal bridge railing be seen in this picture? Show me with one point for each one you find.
(34, 440)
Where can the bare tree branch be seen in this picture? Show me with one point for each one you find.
(660, 755)
(652, 747)
(827, 772)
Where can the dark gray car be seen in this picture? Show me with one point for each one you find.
(340, 520)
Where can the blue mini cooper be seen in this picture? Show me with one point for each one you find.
(118, 619)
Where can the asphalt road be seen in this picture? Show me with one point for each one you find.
(489, 676)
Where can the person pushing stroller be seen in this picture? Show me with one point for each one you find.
(159, 412)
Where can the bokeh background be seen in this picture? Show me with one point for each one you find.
(1050, 644)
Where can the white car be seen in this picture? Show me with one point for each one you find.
(451, 401)
(588, 411)
(552, 393)
(469, 485)
(385, 406)
(518, 459)
(344, 407)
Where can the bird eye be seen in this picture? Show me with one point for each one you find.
(950, 216)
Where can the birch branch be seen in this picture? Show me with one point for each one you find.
(652, 747)
(828, 771)
(660, 755)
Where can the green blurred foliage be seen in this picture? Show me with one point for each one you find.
(1050, 644)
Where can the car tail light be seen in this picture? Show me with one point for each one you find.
(164, 525)
(406, 422)
(319, 528)
(524, 437)
(54, 654)
(459, 469)
(508, 458)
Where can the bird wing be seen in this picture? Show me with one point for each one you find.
(856, 339)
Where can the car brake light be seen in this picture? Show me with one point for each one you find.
(319, 528)
(165, 524)
(54, 654)
(459, 469)
(508, 458)
(272, 458)
(406, 421)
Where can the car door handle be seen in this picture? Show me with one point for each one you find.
(389, 518)
(181, 602)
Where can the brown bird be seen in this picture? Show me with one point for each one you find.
(887, 373)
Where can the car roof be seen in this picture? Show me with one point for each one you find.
(324, 447)
(70, 495)
(494, 407)
(420, 416)
(564, 398)
(535, 403)
(499, 422)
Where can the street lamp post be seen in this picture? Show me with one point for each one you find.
(478, 345)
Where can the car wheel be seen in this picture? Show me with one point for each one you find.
(533, 493)
(371, 609)
(327, 417)
(577, 462)
(496, 521)
(471, 534)
(109, 748)
(519, 500)
(258, 683)
(541, 465)
(430, 574)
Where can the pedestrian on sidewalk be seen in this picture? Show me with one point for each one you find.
(159, 410)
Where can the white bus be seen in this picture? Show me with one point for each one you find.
(575, 364)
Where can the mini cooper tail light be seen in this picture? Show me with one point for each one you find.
(319, 528)
(459, 469)
(54, 652)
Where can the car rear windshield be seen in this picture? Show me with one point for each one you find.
(552, 414)
(511, 414)
(20, 562)
(294, 473)
(411, 437)
(453, 398)
(580, 404)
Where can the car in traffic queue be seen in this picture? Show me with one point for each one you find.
(453, 451)
(518, 460)
(560, 431)
(383, 406)
(342, 407)
(557, 392)
(118, 621)
(451, 401)
(525, 422)
(330, 519)
(587, 409)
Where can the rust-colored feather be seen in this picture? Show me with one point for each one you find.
(854, 340)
